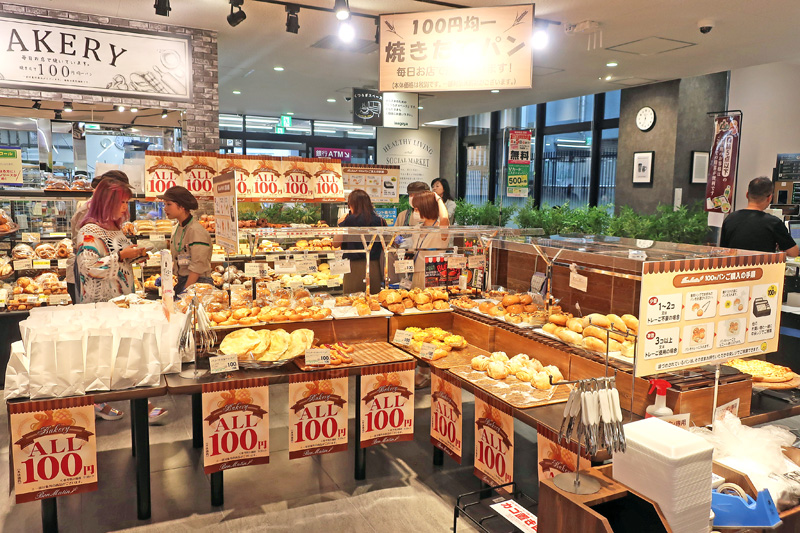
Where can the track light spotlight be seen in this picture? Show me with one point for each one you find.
(120, 108)
(292, 20)
(236, 17)
(58, 115)
(346, 32)
(342, 9)
(164, 113)
(162, 7)
(37, 104)
(134, 109)
(68, 107)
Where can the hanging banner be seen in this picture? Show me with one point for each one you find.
(10, 165)
(328, 185)
(226, 213)
(381, 182)
(53, 448)
(266, 178)
(446, 413)
(198, 170)
(59, 56)
(387, 403)
(722, 168)
(517, 180)
(519, 163)
(298, 179)
(235, 424)
(464, 50)
(401, 110)
(697, 312)
(162, 171)
(494, 440)
(317, 413)
(367, 107)
(237, 164)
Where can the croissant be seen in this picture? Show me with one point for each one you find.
(480, 362)
(525, 374)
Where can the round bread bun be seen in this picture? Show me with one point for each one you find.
(594, 344)
(569, 336)
(510, 299)
(240, 314)
(496, 311)
(525, 299)
(497, 370)
(575, 324)
(550, 328)
(559, 319)
(484, 307)
(632, 322)
(425, 307)
(596, 319)
(514, 309)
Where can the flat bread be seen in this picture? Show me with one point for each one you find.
(299, 341)
(279, 342)
(266, 337)
(763, 371)
(239, 342)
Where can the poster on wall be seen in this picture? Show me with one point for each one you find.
(381, 182)
(318, 413)
(722, 167)
(198, 170)
(519, 163)
(494, 440)
(327, 185)
(61, 56)
(10, 165)
(415, 151)
(367, 107)
(238, 164)
(401, 110)
(702, 311)
(266, 178)
(465, 50)
(387, 403)
(226, 212)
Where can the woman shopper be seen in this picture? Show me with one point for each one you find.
(442, 187)
(104, 258)
(191, 243)
(362, 214)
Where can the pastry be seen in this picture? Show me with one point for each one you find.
(425, 307)
(456, 341)
(514, 319)
(525, 299)
(480, 362)
(541, 381)
(484, 307)
(569, 336)
(497, 370)
(550, 328)
(510, 300)
(597, 319)
(560, 319)
(440, 305)
(553, 370)
(499, 356)
(525, 374)
(22, 251)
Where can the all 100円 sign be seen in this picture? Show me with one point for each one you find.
(317, 413)
(387, 403)
(457, 50)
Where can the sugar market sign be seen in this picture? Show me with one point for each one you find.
(43, 54)
(457, 50)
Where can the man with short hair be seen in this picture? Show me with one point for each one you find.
(753, 229)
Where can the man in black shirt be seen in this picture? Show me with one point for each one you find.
(753, 229)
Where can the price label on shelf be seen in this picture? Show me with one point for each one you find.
(217, 258)
(457, 262)
(256, 270)
(41, 264)
(476, 261)
(58, 299)
(158, 237)
(338, 254)
(62, 264)
(31, 237)
(58, 234)
(402, 337)
(5, 245)
(32, 299)
(223, 364)
(406, 283)
(340, 266)
(462, 282)
(23, 264)
(273, 286)
(295, 284)
(318, 356)
(331, 255)
(426, 352)
(306, 266)
(334, 282)
(153, 260)
(404, 266)
(285, 267)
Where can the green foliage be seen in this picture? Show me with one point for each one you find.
(487, 214)
(279, 213)
(465, 213)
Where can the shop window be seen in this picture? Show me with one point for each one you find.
(566, 169)
(231, 122)
(261, 124)
(570, 111)
(275, 149)
(324, 128)
(612, 104)
(608, 167)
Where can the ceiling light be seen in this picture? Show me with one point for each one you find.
(612, 64)
(164, 113)
(236, 17)
(292, 20)
(162, 8)
(134, 109)
(68, 107)
(420, 107)
(134, 130)
(495, 91)
(608, 78)
(540, 39)
(58, 115)
(332, 100)
(278, 69)
(346, 32)
(120, 108)
(316, 130)
(289, 113)
(342, 9)
(237, 92)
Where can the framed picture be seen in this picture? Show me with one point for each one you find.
(643, 167)
(699, 167)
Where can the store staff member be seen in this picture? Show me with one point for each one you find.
(753, 229)
(191, 244)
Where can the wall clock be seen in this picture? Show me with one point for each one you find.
(646, 118)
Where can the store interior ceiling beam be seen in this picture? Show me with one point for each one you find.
(317, 8)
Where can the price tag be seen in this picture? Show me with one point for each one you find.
(58, 234)
(306, 266)
(137, 271)
(58, 299)
(426, 352)
(62, 264)
(285, 267)
(5, 245)
(476, 261)
(338, 254)
(255, 270)
(334, 282)
(31, 237)
(153, 260)
(158, 237)
(23, 264)
(340, 266)
(331, 255)
(462, 282)
(457, 262)
(41, 264)
(404, 266)
(223, 363)
(406, 283)
(32, 299)
(576, 281)
(318, 356)
(217, 258)
(402, 337)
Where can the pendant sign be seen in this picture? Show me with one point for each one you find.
(235, 424)
(387, 403)
(162, 171)
(494, 440)
(446, 414)
(318, 413)
(198, 170)
(53, 447)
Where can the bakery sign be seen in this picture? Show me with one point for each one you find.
(387, 403)
(494, 440)
(57, 56)
(317, 413)
(457, 50)
(446, 413)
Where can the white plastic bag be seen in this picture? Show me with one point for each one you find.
(56, 364)
(17, 377)
(170, 345)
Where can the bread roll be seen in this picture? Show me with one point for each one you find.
(440, 305)
(559, 319)
(408, 303)
(422, 298)
(497, 370)
(515, 365)
(484, 307)
(425, 307)
(632, 322)
(550, 328)
(594, 344)
(393, 298)
(575, 324)
(514, 309)
(240, 314)
(497, 311)
(514, 319)
(569, 336)
(525, 299)
(627, 349)
(594, 331)
(535, 365)
(617, 323)
(597, 319)
(509, 300)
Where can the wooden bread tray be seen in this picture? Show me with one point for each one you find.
(516, 393)
(366, 354)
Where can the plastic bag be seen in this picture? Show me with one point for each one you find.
(130, 365)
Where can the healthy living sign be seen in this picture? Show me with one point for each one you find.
(42, 54)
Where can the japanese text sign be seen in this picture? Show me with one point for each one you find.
(381, 182)
(494, 440)
(54, 448)
(446, 414)
(457, 50)
(722, 167)
(387, 403)
(317, 413)
(235, 424)
(10, 165)
(162, 171)
(198, 170)
(226, 213)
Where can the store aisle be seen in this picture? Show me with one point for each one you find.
(403, 490)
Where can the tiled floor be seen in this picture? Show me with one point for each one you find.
(403, 490)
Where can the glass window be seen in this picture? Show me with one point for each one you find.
(260, 124)
(608, 167)
(570, 111)
(326, 128)
(566, 169)
(230, 122)
(275, 149)
(612, 104)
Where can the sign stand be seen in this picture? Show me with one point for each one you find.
(716, 392)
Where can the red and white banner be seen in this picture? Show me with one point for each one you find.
(162, 171)
(522, 518)
(53, 448)
(519, 146)
(446, 413)
(721, 182)
(387, 403)
(198, 169)
(317, 413)
(235, 424)
(494, 440)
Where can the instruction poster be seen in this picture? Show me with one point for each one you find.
(226, 212)
(381, 182)
(387, 403)
(446, 413)
(700, 311)
(317, 413)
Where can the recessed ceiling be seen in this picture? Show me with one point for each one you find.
(746, 33)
